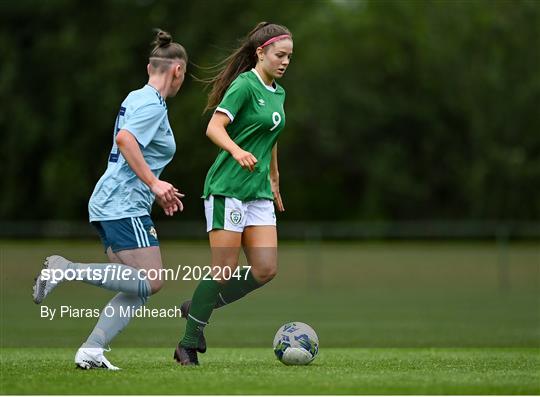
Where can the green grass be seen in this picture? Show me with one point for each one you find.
(354, 295)
(256, 371)
(392, 318)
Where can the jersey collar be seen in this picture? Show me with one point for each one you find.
(160, 98)
(268, 87)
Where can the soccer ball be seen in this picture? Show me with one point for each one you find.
(296, 344)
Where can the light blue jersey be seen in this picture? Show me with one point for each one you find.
(120, 193)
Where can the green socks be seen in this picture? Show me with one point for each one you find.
(210, 294)
(237, 288)
(202, 305)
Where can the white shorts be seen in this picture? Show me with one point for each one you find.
(231, 214)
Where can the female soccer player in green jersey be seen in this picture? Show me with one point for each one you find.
(242, 186)
(120, 206)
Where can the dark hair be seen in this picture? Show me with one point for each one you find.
(165, 50)
(242, 59)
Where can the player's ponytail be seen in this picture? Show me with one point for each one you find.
(164, 51)
(241, 60)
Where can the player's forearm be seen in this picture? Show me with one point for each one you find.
(219, 136)
(129, 147)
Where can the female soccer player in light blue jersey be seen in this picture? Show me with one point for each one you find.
(242, 186)
(120, 205)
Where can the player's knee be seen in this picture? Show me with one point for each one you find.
(155, 286)
(266, 274)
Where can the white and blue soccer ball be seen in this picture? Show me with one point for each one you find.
(296, 344)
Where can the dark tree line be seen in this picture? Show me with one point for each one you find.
(396, 110)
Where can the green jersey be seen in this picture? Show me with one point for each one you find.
(257, 118)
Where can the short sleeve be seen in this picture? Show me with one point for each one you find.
(235, 97)
(144, 122)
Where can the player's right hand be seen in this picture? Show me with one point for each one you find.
(167, 196)
(171, 207)
(164, 191)
(245, 159)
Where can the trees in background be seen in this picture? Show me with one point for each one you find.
(396, 110)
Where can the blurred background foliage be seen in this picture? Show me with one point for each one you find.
(396, 110)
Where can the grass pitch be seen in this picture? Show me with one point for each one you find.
(256, 371)
(392, 318)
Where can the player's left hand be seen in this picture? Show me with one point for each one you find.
(278, 202)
